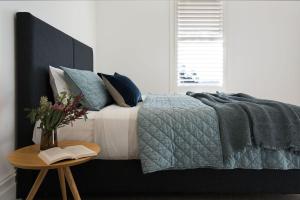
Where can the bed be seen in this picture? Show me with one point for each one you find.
(39, 45)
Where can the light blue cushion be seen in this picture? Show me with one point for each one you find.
(90, 85)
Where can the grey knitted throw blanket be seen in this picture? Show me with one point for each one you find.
(245, 120)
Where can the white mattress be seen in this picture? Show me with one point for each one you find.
(114, 128)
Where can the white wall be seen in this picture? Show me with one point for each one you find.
(263, 48)
(133, 39)
(74, 18)
(262, 45)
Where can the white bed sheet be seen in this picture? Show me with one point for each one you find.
(114, 128)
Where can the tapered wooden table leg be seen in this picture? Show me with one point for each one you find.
(37, 184)
(62, 182)
(72, 183)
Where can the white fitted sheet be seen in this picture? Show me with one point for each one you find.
(114, 128)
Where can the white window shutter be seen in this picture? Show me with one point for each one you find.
(199, 42)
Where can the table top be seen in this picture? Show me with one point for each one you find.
(27, 157)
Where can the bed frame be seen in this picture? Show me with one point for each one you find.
(39, 45)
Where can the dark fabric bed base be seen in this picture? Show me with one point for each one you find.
(98, 178)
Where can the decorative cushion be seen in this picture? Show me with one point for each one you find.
(90, 85)
(57, 81)
(122, 89)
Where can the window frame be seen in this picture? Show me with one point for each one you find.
(173, 87)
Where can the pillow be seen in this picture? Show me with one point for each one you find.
(130, 84)
(122, 89)
(57, 81)
(90, 85)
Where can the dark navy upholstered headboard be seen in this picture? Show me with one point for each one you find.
(39, 45)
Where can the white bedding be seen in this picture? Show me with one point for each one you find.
(114, 128)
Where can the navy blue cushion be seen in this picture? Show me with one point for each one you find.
(122, 89)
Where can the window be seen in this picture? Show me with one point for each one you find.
(199, 40)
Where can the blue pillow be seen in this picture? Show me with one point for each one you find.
(130, 84)
(122, 89)
(90, 85)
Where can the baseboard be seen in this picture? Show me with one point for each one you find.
(8, 187)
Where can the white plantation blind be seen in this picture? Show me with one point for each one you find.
(199, 42)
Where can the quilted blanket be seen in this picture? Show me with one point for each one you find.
(178, 132)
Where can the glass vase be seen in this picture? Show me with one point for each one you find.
(48, 139)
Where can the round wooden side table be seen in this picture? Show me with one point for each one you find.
(27, 158)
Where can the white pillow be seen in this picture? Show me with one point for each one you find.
(57, 81)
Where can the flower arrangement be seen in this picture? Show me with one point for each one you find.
(63, 112)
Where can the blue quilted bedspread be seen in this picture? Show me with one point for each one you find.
(180, 132)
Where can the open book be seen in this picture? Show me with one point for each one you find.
(56, 154)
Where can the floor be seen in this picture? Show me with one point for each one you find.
(203, 197)
(215, 197)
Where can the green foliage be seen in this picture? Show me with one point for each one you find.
(51, 116)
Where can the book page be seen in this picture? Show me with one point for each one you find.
(80, 151)
(55, 154)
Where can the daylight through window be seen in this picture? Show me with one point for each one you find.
(199, 42)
